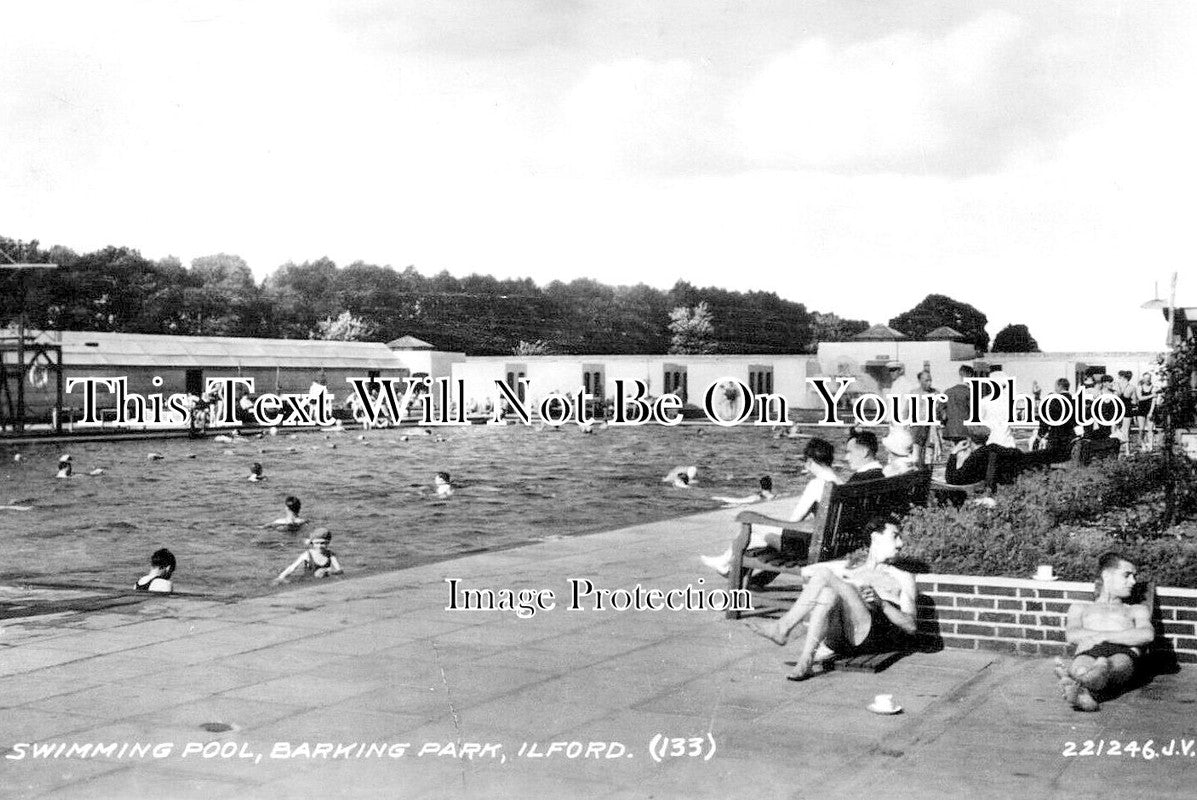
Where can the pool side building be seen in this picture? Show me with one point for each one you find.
(184, 363)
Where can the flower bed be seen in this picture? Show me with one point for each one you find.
(1066, 518)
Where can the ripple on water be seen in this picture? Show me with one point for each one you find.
(513, 485)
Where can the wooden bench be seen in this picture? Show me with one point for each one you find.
(1084, 451)
(986, 486)
(836, 531)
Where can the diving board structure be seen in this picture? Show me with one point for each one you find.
(25, 358)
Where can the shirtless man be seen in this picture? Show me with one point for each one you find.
(1109, 635)
(861, 604)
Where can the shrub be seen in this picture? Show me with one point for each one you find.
(1065, 518)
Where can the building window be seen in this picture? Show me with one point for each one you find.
(760, 379)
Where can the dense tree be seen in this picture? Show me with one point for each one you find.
(693, 330)
(1015, 339)
(831, 328)
(936, 310)
(345, 328)
(538, 348)
(116, 289)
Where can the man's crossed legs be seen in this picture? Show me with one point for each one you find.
(1103, 666)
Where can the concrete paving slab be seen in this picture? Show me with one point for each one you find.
(114, 701)
(26, 658)
(380, 659)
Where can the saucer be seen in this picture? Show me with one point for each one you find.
(876, 709)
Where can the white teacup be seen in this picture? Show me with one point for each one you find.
(884, 702)
(1044, 573)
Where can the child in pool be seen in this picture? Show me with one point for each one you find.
(157, 580)
(317, 559)
(255, 473)
(64, 466)
(292, 521)
(444, 487)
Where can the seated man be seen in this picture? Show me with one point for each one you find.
(861, 452)
(1109, 635)
(862, 604)
(969, 460)
(1057, 439)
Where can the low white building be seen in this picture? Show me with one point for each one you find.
(687, 376)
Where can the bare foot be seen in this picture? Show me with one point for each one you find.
(1070, 689)
(823, 652)
(1084, 701)
(802, 671)
(770, 630)
(1096, 676)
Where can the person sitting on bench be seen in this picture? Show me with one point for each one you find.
(862, 604)
(817, 458)
(1109, 635)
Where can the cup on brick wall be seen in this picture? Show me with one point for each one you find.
(1044, 573)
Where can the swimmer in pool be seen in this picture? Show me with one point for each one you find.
(317, 559)
(765, 493)
(681, 477)
(255, 473)
(64, 466)
(444, 486)
(157, 580)
(292, 521)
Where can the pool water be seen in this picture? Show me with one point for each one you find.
(514, 485)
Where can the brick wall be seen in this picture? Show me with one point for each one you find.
(1027, 617)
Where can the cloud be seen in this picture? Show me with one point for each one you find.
(958, 103)
(635, 116)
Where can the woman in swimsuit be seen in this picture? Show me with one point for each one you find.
(862, 604)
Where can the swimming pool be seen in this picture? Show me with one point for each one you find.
(514, 485)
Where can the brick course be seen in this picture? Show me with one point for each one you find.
(1027, 616)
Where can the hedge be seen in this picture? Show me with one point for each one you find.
(1066, 518)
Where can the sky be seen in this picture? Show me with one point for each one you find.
(1034, 159)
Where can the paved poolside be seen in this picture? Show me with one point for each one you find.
(379, 660)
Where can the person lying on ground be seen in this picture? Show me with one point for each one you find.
(1109, 635)
(862, 604)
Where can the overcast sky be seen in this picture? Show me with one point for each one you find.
(1034, 159)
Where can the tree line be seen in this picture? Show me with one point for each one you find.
(116, 289)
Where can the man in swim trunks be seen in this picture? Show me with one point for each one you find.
(862, 604)
(1109, 635)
